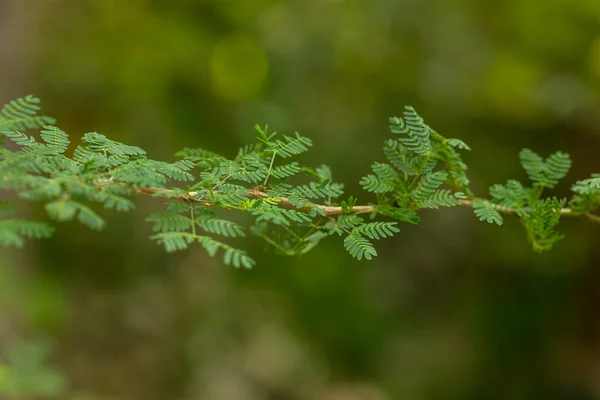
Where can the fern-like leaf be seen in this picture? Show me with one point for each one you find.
(589, 186)
(65, 210)
(557, 166)
(512, 195)
(173, 241)
(401, 214)
(237, 258)
(542, 222)
(545, 173)
(21, 114)
(202, 158)
(57, 140)
(221, 227)
(533, 164)
(169, 221)
(485, 211)
(100, 143)
(285, 171)
(415, 134)
(439, 198)
(359, 247)
(459, 144)
(315, 191)
(428, 185)
(13, 231)
(377, 230)
(231, 256)
(374, 184)
(291, 146)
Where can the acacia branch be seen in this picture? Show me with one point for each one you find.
(283, 202)
(331, 211)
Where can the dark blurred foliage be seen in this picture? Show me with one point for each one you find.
(451, 309)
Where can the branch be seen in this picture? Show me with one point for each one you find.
(510, 211)
(331, 211)
(257, 194)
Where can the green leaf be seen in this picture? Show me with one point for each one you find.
(533, 164)
(324, 172)
(173, 241)
(439, 198)
(278, 216)
(57, 140)
(542, 222)
(112, 201)
(221, 227)
(401, 214)
(557, 166)
(291, 146)
(377, 230)
(373, 184)
(285, 171)
(202, 158)
(21, 114)
(315, 191)
(545, 173)
(237, 258)
(176, 171)
(34, 229)
(65, 210)
(588, 186)
(169, 221)
(459, 144)
(413, 131)
(359, 247)
(99, 143)
(13, 231)
(485, 211)
(406, 161)
(426, 194)
(512, 195)
(88, 217)
(62, 210)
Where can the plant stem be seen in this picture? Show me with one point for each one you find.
(270, 169)
(330, 211)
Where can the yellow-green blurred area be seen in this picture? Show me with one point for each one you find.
(450, 309)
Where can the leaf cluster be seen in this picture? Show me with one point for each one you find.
(539, 215)
(293, 207)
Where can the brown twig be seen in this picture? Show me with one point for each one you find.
(331, 211)
(258, 194)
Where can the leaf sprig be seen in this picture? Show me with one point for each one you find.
(293, 206)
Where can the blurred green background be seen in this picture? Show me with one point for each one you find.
(451, 309)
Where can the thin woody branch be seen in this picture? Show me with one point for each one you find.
(331, 211)
(257, 194)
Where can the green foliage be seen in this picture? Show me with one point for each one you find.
(486, 211)
(21, 114)
(177, 229)
(541, 224)
(377, 230)
(414, 133)
(359, 247)
(539, 216)
(587, 195)
(427, 194)
(512, 195)
(545, 173)
(294, 207)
